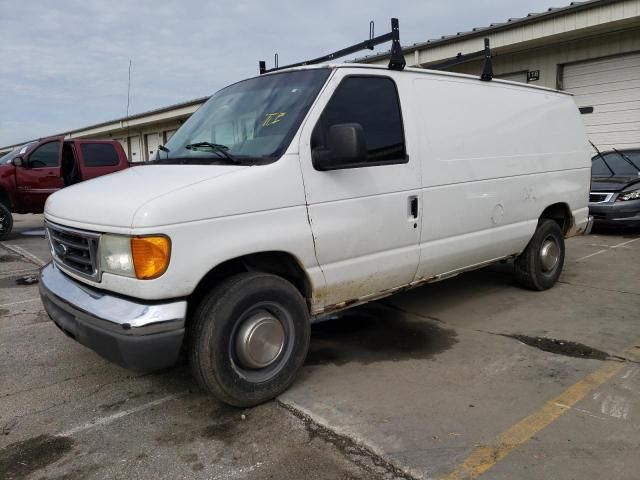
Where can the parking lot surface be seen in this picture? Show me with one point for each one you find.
(470, 377)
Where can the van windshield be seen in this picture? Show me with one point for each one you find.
(248, 122)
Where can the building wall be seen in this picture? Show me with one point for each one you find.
(600, 18)
(137, 134)
(162, 122)
(550, 59)
(127, 137)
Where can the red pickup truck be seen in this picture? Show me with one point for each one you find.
(32, 172)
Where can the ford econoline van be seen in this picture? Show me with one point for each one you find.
(306, 191)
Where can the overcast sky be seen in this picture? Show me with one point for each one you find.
(64, 63)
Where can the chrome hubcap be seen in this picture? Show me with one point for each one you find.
(549, 254)
(259, 341)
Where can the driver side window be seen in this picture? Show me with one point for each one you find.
(47, 155)
(372, 102)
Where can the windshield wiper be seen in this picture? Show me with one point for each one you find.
(602, 157)
(206, 144)
(217, 148)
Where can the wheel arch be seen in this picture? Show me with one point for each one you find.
(561, 214)
(282, 264)
(5, 198)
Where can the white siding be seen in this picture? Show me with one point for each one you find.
(548, 59)
(612, 87)
(597, 19)
(514, 77)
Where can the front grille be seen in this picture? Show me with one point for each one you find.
(76, 250)
(599, 197)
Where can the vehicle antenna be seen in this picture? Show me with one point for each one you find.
(128, 101)
(128, 90)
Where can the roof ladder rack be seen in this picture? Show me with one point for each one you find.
(396, 60)
(487, 66)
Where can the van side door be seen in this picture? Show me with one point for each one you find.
(97, 158)
(489, 159)
(364, 217)
(39, 176)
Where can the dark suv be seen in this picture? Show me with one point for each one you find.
(615, 188)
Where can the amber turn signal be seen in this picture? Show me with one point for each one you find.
(150, 256)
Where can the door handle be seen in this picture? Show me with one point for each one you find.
(413, 206)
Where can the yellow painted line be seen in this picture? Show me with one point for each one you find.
(633, 353)
(486, 456)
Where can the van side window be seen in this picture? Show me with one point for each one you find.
(373, 103)
(99, 154)
(46, 155)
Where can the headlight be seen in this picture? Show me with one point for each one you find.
(137, 257)
(632, 195)
(115, 255)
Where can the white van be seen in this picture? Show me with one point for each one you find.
(303, 192)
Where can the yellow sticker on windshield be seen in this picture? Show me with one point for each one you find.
(271, 118)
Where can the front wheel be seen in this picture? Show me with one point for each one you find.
(540, 265)
(249, 338)
(6, 221)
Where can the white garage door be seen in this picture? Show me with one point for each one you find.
(152, 140)
(612, 87)
(135, 149)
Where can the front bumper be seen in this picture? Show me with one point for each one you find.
(616, 213)
(136, 335)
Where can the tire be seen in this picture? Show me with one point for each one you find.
(540, 265)
(6, 221)
(249, 302)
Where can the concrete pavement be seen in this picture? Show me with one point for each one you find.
(67, 413)
(438, 382)
(436, 378)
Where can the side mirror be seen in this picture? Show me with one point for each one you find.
(346, 147)
(17, 162)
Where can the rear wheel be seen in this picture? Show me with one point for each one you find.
(540, 265)
(6, 221)
(249, 338)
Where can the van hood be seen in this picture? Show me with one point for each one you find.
(140, 199)
(113, 200)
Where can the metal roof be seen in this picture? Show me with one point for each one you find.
(156, 111)
(495, 27)
(187, 103)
